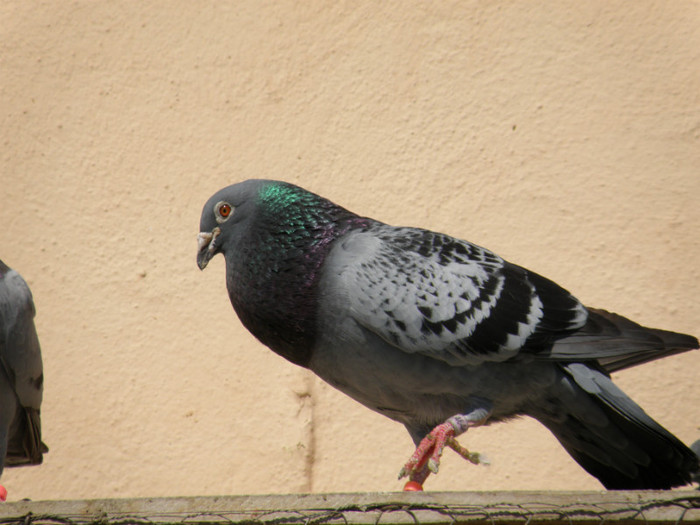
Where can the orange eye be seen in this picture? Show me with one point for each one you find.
(224, 210)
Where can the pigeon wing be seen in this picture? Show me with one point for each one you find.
(429, 293)
(616, 342)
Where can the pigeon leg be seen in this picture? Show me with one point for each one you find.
(4, 428)
(426, 458)
(416, 479)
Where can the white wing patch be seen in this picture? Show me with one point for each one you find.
(430, 293)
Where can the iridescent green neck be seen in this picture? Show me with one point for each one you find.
(274, 276)
(278, 196)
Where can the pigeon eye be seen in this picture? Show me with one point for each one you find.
(223, 211)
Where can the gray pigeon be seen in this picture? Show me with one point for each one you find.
(437, 333)
(21, 375)
(695, 447)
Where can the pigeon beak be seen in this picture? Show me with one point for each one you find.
(206, 247)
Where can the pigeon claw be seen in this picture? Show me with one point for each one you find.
(428, 451)
(472, 457)
(426, 458)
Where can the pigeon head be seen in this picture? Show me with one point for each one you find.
(225, 216)
(274, 237)
(268, 212)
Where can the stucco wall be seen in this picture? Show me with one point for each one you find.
(565, 136)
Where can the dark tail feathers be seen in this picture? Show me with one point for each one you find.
(613, 438)
(26, 447)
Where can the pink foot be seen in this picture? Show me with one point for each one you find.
(3, 493)
(426, 458)
(429, 450)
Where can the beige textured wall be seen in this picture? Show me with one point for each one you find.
(563, 135)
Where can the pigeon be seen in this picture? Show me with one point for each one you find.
(437, 333)
(21, 376)
(695, 447)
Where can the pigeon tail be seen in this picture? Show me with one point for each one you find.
(25, 447)
(615, 440)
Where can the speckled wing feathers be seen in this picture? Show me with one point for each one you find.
(429, 293)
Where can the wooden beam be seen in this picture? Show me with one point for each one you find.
(620, 507)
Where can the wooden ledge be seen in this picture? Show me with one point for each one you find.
(375, 508)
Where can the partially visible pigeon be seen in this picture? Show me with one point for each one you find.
(437, 333)
(695, 447)
(21, 375)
